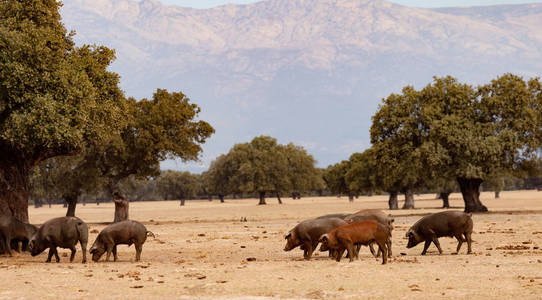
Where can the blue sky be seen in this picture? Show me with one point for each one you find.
(419, 3)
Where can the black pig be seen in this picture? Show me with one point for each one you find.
(63, 232)
(13, 229)
(448, 223)
(125, 232)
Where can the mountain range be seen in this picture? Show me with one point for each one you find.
(311, 72)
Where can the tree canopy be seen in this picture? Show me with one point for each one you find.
(264, 166)
(55, 98)
(453, 130)
(178, 185)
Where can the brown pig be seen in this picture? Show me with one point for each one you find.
(346, 237)
(125, 232)
(447, 223)
(377, 215)
(306, 234)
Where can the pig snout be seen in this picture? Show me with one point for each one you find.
(290, 243)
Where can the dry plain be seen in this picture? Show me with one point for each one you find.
(201, 252)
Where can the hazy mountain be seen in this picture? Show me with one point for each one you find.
(308, 71)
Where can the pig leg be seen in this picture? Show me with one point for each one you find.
(384, 249)
(20, 246)
(373, 252)
(56, 255)
(469, 241)
(84, 249)
(51, 251)
(308, 250)
(72, 256)
(340, 253)
(7, 239)
(460, 242)
(139, 248)
(351, 251)
(427, 244)
(108, 249)
(435, 241)
(115, 257)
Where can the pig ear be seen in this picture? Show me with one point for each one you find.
(408, 233)
(289, 235)
(323, 238)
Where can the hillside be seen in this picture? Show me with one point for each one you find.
(308, 71)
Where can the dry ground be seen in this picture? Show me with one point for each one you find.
(201, 251)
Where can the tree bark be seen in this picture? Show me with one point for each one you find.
(350, 197)
(182, 201)
(470, 189)
(393, 202)
(14, 180)
(121, 207)
(278, 198)
(409, 199)
(497, 194)
(445, 199)
(262, 198)
(71, 200)
(221, 197)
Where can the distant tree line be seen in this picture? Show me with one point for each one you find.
(447, 137)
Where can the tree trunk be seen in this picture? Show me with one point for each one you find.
(497, 194)
(71, 200)
(262, 198)
(350, 197)
(278, 198)
(121, 207)
(14, 179)
(470, 189)
(182, 201)
(445, 199)
(221, 197)
(393, 202)
(210, 198)
(409, 199)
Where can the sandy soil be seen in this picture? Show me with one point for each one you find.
(201, 251)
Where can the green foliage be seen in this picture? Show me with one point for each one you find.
(398, 133)
(460, 131)
(452, 130)
(361, 176)
(54, 98)
(217, 179)
(263, 166)
(334, 177)
(173, 185)
(157, 129)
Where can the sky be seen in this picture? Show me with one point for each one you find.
(417, 3)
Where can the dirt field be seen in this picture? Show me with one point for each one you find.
(201, 251)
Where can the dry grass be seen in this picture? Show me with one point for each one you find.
(201, 251)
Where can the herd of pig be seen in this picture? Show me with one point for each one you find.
(340, 232)
(337, 233)
(66, 232)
